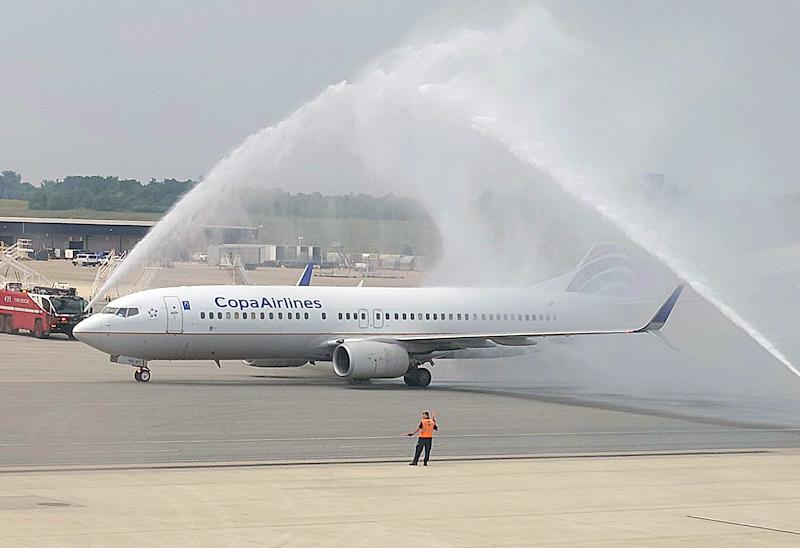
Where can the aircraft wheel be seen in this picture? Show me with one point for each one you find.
(144, 375)
(410, 379)
(423, 377)
(137, 376)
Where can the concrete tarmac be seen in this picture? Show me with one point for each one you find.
(64, 405)
(719, 500)
(202, 456)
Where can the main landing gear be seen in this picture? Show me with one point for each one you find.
(142, 374)
(419, 377)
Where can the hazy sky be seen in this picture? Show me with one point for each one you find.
(165, 89)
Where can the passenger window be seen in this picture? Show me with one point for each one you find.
(475, 317)
(396, 316)
(451, 316)
(271, 315)
(323, 316)
(499, 317)
(459, 316)
(202, 315)
(227, 315)
(280, 315)
(262, 316)
(347, 315)
(441, 316)
(386, 316)
(340, 315)
(548, 317)
(253, 315)
(505, 317)
(541, 317)
(236, 315)
(554, 317)
(483, 317)
(427, 316)
(491, 316)
(412, 315)
(219, 315)
(435, 317)
(519, 317)
(527, 317)
(306, 315)
(404, 315)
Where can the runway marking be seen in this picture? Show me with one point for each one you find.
(325, 461)
(123, 451)
(441, 436)
(750, 525)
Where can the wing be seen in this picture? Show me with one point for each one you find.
(427, 343)
(305, 277)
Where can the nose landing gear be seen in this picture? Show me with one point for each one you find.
(142, 374)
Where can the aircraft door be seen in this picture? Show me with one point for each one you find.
(174, 315)
(377, 318)
(363, 318)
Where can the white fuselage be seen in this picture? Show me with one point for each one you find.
(303, 323)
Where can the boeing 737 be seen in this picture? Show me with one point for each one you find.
(368, 333)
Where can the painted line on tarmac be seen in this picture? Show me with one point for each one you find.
(440, 436)
(749, 525)
(201, 464)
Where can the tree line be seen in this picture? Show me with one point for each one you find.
(101, 193)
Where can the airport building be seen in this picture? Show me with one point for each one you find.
(98, 234)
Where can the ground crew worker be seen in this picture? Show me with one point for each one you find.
(425, 428)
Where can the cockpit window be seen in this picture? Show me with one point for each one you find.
(121, 312)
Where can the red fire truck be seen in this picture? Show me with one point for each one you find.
(40, 310)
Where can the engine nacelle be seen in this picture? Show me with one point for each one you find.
(275, 363)
(362, 360)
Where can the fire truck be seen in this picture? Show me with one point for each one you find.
(40, 310)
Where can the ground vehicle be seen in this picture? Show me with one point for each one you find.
(87, 259)
(40, 310)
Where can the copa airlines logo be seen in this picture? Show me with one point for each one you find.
(267, 302)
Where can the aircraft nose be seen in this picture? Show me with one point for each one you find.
(84, 330)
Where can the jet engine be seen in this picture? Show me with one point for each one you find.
(275, 363)
(361, 360)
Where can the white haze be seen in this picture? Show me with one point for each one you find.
(521, 134)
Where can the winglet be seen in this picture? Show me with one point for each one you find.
(305, 277)
(663, 313)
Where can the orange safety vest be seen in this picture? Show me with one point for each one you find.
(426, 428)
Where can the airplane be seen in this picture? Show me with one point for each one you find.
(368, 333)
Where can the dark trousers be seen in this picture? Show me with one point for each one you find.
(426, 444)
